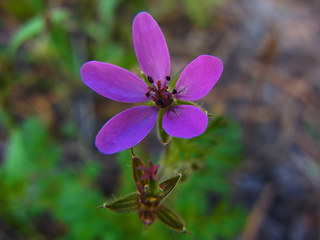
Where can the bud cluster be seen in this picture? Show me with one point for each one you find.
(147, 200)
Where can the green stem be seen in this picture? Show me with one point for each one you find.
(164, 138)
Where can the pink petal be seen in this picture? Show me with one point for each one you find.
(126, 129)
(198, 78)
(185, 121)
(151, 47)
(113, 82)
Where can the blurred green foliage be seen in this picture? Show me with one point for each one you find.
(200, 12)
(35, 186)
(205, 195)
(23, 9)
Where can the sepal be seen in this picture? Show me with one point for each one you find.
(171, 219)
(145, 79)
(168, 185)
(147, 215)
(124, 204)
(137, 173)
(173, 82)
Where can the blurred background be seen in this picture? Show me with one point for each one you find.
(255, 173)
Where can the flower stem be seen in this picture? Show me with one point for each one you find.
(163, 137)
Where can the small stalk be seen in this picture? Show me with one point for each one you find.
(163, 137)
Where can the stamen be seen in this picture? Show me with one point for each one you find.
(152, 89)
(150, 79)
(174, 91)
(164, 89)
(159, 94)
(168, 78)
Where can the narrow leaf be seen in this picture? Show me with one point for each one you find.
(124, 204)
(26, 31)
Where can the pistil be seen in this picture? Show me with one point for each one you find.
(159, 94)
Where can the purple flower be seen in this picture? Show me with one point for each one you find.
(180, 119)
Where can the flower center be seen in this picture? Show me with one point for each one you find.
(160, 94)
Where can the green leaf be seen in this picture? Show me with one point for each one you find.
(26, 31)
(16, 160)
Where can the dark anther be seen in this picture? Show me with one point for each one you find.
(148, 94)
(150, 79)
(168, 78)
(174, 91)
